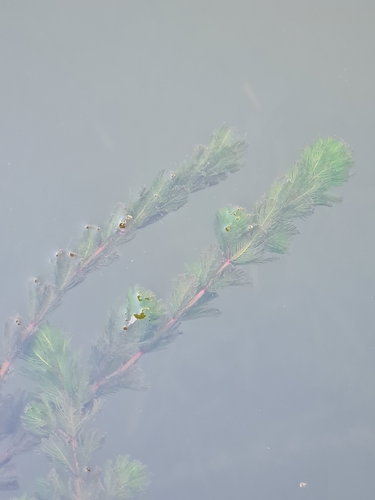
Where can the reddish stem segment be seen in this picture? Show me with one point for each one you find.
(119, 371)
(165, 328)
(33, 325)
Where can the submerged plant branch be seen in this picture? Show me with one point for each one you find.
(98, 246)
(243, 238)
(57, 414)
(60, 413)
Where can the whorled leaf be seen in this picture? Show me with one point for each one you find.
(124, 478)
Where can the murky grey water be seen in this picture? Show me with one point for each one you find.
(96, 99)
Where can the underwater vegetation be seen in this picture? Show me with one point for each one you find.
(57, 416)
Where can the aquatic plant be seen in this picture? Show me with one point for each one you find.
(57, 417)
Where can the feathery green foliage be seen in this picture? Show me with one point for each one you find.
(98, 245)
(124, 479)
(245, 237)
(58, 415)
